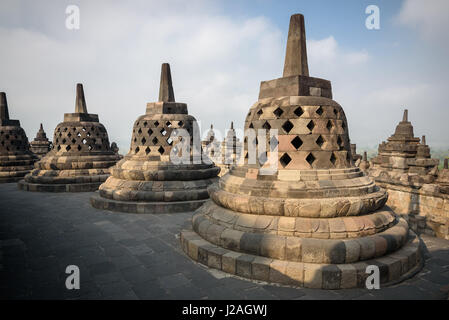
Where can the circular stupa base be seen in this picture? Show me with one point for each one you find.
(10, 179)
(144, 207)
(69, 187)
(394, 267)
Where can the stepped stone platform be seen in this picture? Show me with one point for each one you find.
(139, 256)
(16, 159)
(318, 221)
(80, 158)
(146, 180)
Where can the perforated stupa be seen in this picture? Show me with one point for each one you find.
(81, 155)
(318, 221)
(40, 145)
(16, 159)
(146, 180)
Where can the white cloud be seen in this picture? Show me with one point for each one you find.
(429, 18)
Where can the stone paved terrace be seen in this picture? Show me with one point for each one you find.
(132, 256)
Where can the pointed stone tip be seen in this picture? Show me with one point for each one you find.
(211, 126)
(446, 163)
(423, 140)
(232, 124)
(365, 156)
(405, 116)
(296, 53)
(4, 113)
(80, 103)
(41, 127)
(166, 93)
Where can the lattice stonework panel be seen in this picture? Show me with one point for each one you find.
(310, 136)
(13, 140)
(152, 137)
(80, 138)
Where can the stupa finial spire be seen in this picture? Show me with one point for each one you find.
(41, 127)
(4, 113)
(232, 124)
(296, 53)
(423, 140)
(405, 116)
(80, 103)
(365, 156)
(166, 93)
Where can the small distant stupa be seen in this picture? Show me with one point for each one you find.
(40, 146)
(16, 159)
(404, 158)
(81, 155)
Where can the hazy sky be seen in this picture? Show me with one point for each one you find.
(219, 51)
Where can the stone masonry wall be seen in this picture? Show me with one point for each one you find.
(426, 209)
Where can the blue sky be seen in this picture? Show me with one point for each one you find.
(219, 52)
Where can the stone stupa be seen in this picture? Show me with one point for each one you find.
(319, 221)
(16, 159)
(80, 158)
(404, 158)
(40, 146)
(146, 180)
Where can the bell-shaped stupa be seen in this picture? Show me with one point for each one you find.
(147, 179)
(40, 146)
(318, 221)
(16, 159)
(80, 157)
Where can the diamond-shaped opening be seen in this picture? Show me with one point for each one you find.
(68, 148)
(251, 125)
(69, 134)
(84, 129)
(311, 125)
(333, 159)
(155, 140)
(139, 131)
(285, 160)
(298, 111)
(163, 132)
(259, 112)
(266, 126)
(335, 112)
(65, 129)
(310, 159)
(169, 141)
(246, 155)
(319, 111)
(145, 124)
(59, 148)
(296, 142)
(278, 112)
(329, 125)
(287, 126)
(156, 123)
(147, 150)
(90, 147)
(137, 149)
(88, 134)
(84, 141)
(78, 135)
(79, 148)
(161, 150)
(180, 123)
(273, 143)
(320, 141)
(168, 124)
(143, 140)
(150, 132)
(339, 141)
(64, 141)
